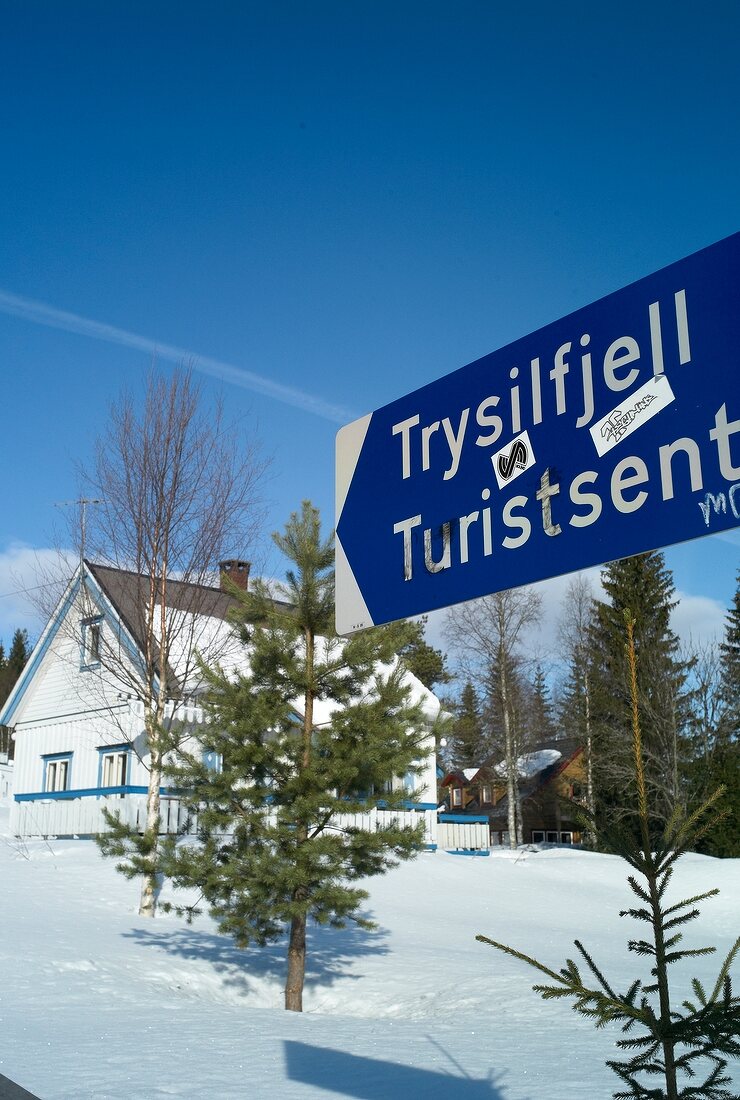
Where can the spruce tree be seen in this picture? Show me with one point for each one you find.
(667, 1045)
(643, 585)
(272, 850)
(465, 745)
(539, 719)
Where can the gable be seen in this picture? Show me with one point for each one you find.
(54, 681)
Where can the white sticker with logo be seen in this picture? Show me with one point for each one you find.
(632, 413)
(513, 459)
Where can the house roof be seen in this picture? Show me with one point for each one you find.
(207, 611)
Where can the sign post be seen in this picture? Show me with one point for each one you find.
(613, 431)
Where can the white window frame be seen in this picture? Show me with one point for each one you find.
(114, 767)
(92, 637)
(57, 772)
(456, 799)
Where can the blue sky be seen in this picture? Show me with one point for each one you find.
(330, 205)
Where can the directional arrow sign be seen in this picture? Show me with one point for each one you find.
(610, 432)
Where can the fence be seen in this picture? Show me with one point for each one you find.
(463, 835)
(84, 817)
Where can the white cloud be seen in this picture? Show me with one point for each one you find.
(29, 578)
(698, 619)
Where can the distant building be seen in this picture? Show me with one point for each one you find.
(551, 772)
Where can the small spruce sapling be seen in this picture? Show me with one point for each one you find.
(666, 1046)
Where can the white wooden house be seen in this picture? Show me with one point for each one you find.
(78, 725)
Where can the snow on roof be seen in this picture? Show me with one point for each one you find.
(531, 763)
(470, 773)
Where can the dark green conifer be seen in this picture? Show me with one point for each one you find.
(10, 669)
(539, 718)
(429, 665)
(465, 745)
(643, 585)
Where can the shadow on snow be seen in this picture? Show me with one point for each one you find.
(331, 954)
(359, 1078)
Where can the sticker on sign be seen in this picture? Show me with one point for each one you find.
(607, 433)
(636, 410)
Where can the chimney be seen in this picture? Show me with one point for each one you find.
(236, 571)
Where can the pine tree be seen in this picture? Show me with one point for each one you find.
(270, 850)
(667, 1046)
(465, 744)
(427, 664)
(644, 586)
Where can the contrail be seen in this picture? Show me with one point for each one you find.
(40, 314)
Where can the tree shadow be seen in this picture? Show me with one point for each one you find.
(359, 1078)
(331, 954)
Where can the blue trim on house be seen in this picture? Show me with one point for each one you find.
(91, 792)
(468, 851)
(52, 629)
(409, 804)
(463, 819)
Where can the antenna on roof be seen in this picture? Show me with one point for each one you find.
(82, 503)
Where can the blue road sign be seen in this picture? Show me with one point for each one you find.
(610, 432)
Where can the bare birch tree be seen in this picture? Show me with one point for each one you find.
(177, 491)
(487, 635)
(573, 635)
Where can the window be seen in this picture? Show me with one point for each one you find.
(91, 642)
(57, 772)
(486, 794)
(566, 838)
(456, 796)
(538, 836)
(213, 761)
(553, 838)
(113, 767)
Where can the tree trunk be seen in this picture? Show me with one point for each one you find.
(149, 885)
(296, 964)
(511, 784)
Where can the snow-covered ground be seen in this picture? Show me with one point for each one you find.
(95, 1002)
